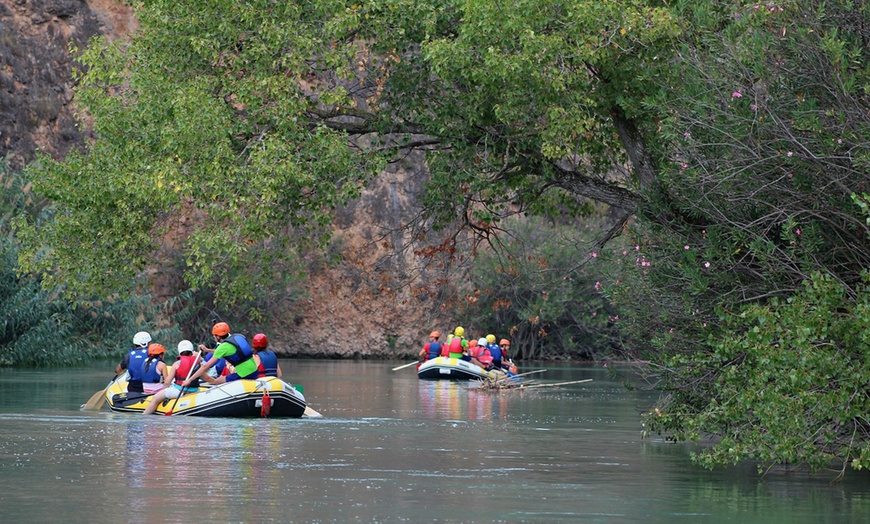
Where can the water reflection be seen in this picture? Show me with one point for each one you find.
(458, 400)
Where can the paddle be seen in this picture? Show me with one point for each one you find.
(96, 401)
(180, 393)
(311, 413)
(406, 365)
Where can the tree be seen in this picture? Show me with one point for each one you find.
(256, 120)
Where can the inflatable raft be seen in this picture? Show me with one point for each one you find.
(455, 369)
(262, 397)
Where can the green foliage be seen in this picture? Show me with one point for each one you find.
(533, 291)
(757, 192)
(40, 328)
(787, 382)
(201, 119)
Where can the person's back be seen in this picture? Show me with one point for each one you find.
(153, 370)
(431, 349)
(134, 358)
(268, 366)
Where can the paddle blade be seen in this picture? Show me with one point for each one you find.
(96, 401)
(311, 413)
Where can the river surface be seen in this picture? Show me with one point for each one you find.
(389, 448)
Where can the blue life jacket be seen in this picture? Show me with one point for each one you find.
(495, 351)
(138, 356)
(434, 349)
(269, 360)
(150, 375)
(243, 349)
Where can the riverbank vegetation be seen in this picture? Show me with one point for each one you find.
(728, 143)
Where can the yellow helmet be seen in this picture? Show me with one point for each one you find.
(490, 339)
(459, 331)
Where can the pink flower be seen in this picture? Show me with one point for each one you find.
(839, 140)
(686, 248)
(789, 153)
(706, 264)
(598, 286)
(637, 248)
(790, 175)
(594, 254)
(687, 134)
(736, 94)
(798, 231)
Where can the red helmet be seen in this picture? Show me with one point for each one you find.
(156, 349)
(260, 341)
(221, 329)
(434, 334)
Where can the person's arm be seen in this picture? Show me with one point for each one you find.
(202, 369)
(121, 366)
(170, 376)
(278, 371)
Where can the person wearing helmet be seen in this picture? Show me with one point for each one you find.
(267, 360)
(457, 346)
(154, 369)
(235, 348)
(176, 375)
(480, 354)
(137, 355)
(432, 348)
(500, 356)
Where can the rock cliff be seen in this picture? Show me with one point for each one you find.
(357, 309)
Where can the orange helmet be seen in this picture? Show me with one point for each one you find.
(260, 341)
(221, 329)
(155, 350)
(504, 341)
(434, 334)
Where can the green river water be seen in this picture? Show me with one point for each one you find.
(389, 448)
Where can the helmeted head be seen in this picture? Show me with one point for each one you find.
(434, 335)
(260, 341)
(504, 342)
(490, 339)
(156, 350)
(221, 329)
(141, 339)
(481, 342)
(185, 346)
(459, 331)
(472, 343)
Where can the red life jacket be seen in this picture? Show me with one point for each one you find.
(185, 362)
(455, 345)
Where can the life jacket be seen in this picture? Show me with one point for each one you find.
(482, 354)
(149, 371)
(495, 351)
(134, 366)
(268, 363)
(434, 349)
(185, 363)
(455, 345)
(243, 349)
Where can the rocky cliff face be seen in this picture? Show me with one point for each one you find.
(357, 309)
(36, 70)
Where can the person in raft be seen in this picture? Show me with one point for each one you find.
(267, 365)
(457, 346)
(432, 348)
(177, 373)
(154, 370)
(235, 349)
(133, 360)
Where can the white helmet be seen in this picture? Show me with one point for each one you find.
(185, 345)
(481, 342)
(141, 339)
